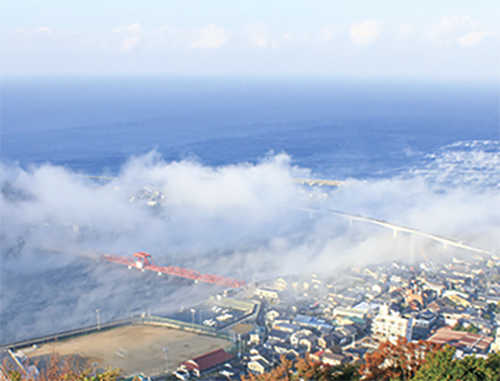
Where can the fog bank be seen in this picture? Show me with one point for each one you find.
(237, 220)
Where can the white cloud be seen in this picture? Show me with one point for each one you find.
(405, 31)
(327, 33)
(43, 30)
(258, 35)
(231, 220)
(129, 44)
(449, 24)
(472, 38)
(134, 28)
(131, 36)
(364, 33)
(210, 37)
(460, 30)
(20, 31)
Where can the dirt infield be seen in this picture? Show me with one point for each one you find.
(134, 349)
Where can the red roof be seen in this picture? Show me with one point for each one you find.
(208, 361)
(465, 340)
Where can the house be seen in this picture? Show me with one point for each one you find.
(379, 288)
(206, 363)
(389, 325)
(457, 297)
(333, 359)
(329, 339)
(454, 281)
(479, 305)
(464, 341)
(230, 373)
(369, 308)
(452, 315)
(316, 356)
(297, 336)
(257, 335)
(286, 327)
(268, 294)
(282, 348)
(441, 303)
(258, 366)
(271, 315)
(311, 322)
(369, 272)
(278, 313)
(489, 298)
(279, 336)
(309, 341)
(258, 350)
(347, 334)
(348, 312)
(331, 356)
(485, 326)
(423, 322)
(399, 281)
(280, 284)
(436, 286)
(345, 297)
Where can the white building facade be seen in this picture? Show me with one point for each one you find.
(390, 325)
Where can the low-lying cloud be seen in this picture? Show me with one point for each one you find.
(239, 220)
(181, 211)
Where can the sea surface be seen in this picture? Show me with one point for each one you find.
(424, 155)
(338, 129)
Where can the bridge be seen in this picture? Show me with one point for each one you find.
(144, 261)
(398, 228)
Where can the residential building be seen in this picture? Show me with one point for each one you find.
(389, 325)
(206, 363)
(465, 341)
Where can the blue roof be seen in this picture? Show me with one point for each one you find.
(310, 321)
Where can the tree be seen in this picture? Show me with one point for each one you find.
(400, 360)
(344, 372)
(281, 372)
(59, 368)
(470, 328)
(493, 363)
(470, 368)
(307, 369)
(440, 365)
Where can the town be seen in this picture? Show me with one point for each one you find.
(333, 320)
(338, 320)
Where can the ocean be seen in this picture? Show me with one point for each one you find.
(338, 129)
(222, 152)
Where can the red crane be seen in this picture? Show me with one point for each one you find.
(144, 261)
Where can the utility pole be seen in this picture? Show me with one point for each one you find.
(98, 313)
(166, 349)
(239, 345)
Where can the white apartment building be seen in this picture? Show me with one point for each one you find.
(389, 325)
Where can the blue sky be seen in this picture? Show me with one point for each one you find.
(419, 39)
